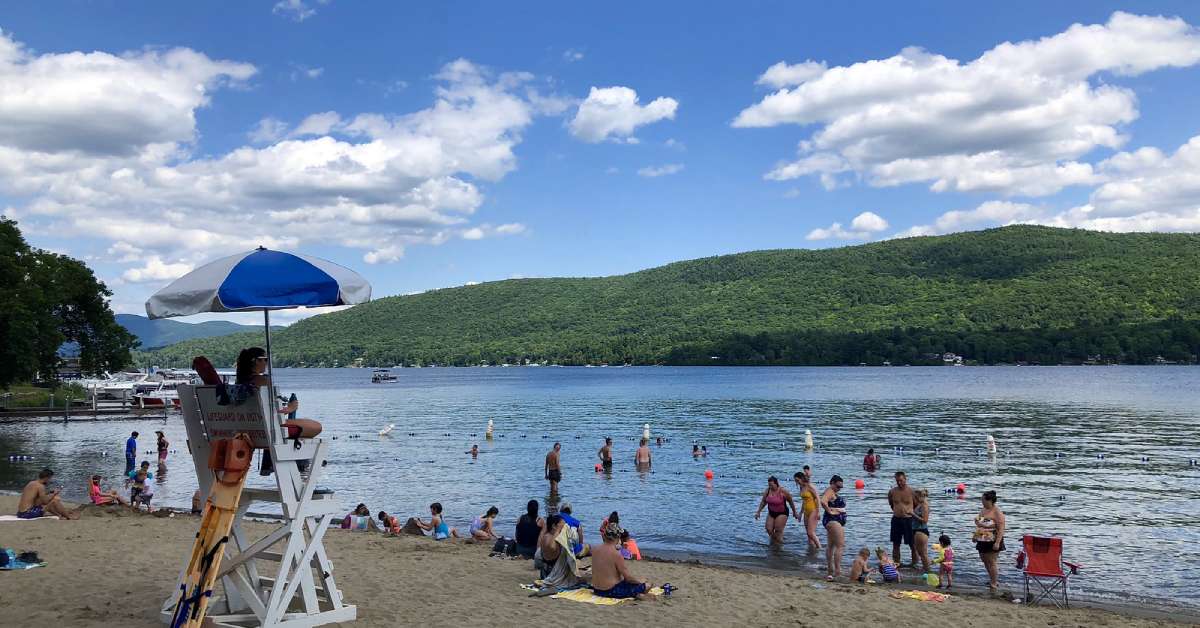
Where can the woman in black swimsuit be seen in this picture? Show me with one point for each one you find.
(834, 520)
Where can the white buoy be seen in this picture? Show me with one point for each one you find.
(991, 444)
(489, 430)
(646, 431)
(808, 441)
(387, 430)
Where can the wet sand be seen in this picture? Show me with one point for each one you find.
(114, 567)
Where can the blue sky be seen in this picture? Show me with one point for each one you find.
(535, 174)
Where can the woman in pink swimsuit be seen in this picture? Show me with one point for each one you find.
(776, 500)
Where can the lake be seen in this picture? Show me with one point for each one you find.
(1097, 455)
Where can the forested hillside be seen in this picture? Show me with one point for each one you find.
(1019, 293)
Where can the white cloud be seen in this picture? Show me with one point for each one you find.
(861, 228)
(614, 112)
(612, 170)
(474, 233)
(571, 55)
(1016, 120)
(267, 130)
(868, 221)
(298, 10)
(836, 232)
(303, 71)
(318, 124)
(155, 269)
(783, 75)
(676, 144)
(660, 171)
(385, 182)
(97, 103)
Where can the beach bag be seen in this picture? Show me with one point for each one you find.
(508, 547)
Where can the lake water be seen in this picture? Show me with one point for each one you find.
(1134, 524)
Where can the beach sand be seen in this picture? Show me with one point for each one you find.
(114, 567)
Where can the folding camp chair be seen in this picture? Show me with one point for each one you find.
(1043, 564)
(283, 578)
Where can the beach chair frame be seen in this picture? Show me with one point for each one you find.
(299, 589)
(1050, 579)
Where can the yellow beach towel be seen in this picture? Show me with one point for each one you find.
(587, 597)
(920, 596)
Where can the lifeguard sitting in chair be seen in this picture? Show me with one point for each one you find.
(251, 365)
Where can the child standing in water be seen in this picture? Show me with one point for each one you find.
(946, 570)
(886, 567)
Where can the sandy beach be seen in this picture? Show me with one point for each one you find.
(114, 567)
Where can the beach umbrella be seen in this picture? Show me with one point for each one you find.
(259, 280)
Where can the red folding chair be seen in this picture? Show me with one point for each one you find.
(1043, 564)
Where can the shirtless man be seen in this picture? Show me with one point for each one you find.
(36, 501)
(901, 500)
(553, 470)
(606, 455)
(610, 575)
(642, 459)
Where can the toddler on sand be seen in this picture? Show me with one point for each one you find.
(886, 567)
(860, 568)
(946, 570)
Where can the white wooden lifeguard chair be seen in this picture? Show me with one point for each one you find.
(285, 577)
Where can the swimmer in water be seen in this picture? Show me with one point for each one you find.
(605, 454)
(553, 469)
(642, 459)
(474, 451)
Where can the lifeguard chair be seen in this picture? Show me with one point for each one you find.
(283, 578)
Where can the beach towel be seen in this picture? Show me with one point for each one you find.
(14, 565)
(588, 597)
(564, 574)
(16, 518)
(920, 596)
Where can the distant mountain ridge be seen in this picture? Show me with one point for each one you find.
(162, 332)
(1013, 294)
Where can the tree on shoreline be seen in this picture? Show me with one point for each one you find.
(46, 300)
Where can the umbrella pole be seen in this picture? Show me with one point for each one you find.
(267, 325)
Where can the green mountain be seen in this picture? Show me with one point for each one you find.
(1019, 293)
(163, 332)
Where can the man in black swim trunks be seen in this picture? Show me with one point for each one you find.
(553, 469)
(606, 455)
(901, 500)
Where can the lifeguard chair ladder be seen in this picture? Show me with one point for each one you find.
(300, 590)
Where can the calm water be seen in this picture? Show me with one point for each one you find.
(1133, 524)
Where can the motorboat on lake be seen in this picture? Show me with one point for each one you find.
(383, 376)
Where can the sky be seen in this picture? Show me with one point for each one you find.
(461, 142)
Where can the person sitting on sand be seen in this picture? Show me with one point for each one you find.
(887, 568)
(861, 567)
(101, 498)
(629, 547)
(529, 528)
(142, 490)
(390, 524)
(481, 528)
(436, 525)
(557, 566)
(776, 500)
(359, 519)
(36, 501)
(610, 576)
(613, 517)
(574, 530)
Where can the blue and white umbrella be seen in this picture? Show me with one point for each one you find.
(259, 280)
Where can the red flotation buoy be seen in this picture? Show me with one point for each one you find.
(708, 474)
(859, 483)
